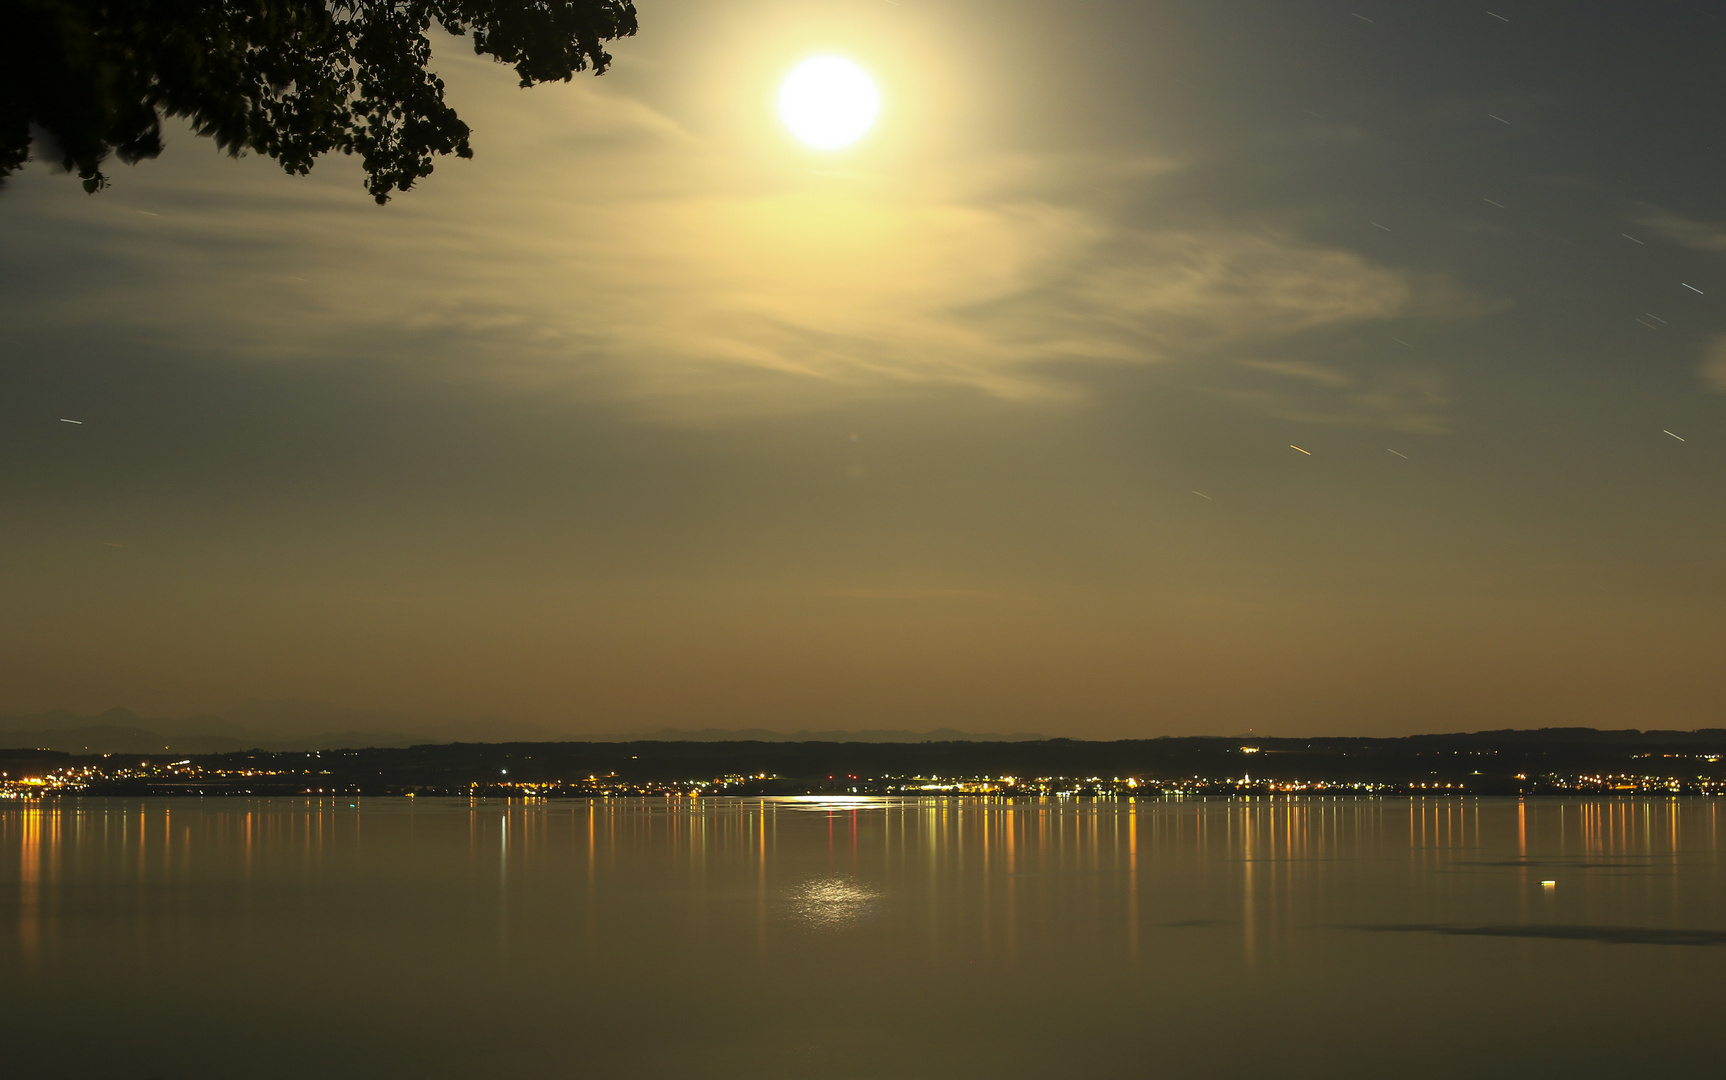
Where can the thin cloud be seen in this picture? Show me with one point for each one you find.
(1300, 369)
(697, 281)
(1713, 369)
(1687, 232)
(1411, 400)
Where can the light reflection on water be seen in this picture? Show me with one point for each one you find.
(859, 937)
(832, 903)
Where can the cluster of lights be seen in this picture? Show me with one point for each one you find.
(1642, 783)
(189, 777)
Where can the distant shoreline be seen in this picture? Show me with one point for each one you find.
(1543, 761)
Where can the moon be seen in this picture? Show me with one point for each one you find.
(828, 102)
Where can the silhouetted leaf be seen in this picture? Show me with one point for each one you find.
(293, 79)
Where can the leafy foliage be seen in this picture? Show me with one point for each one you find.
(293, 79)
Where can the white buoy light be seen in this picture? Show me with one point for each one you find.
(828, 102)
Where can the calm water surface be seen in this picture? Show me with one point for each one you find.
(868, 938)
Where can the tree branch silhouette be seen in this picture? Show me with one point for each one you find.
(81, 80)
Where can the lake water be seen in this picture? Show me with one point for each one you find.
(870, 938)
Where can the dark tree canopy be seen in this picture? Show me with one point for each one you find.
(294, 79)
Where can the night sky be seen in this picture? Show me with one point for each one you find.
(651, 416)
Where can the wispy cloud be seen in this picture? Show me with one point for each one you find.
(697, 281)
(1412, 400)
(1687, 232)
(1319, 374)
(1713, 369)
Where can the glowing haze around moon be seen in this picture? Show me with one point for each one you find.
(828, 102)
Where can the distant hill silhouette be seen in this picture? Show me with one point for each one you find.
(872, 735)
(317, 725)
(121, 731)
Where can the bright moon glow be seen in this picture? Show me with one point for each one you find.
(828, 102)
